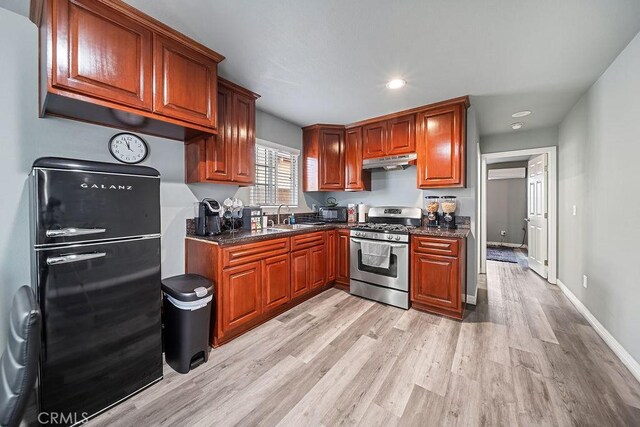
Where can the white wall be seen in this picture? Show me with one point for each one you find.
(399, 188)
(506, 206)
(599, 148)
(519, 140)
(24, 137)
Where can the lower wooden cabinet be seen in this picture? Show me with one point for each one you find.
(317, 267)
(332, 236)
(342, 257)
(438, 281)
(300, 273)
(242, 294)
(276, 281)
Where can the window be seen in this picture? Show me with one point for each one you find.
(276, 177)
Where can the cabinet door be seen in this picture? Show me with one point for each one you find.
(402, 135)
(331, 263)
(374, 138)
(185, 83)
(342, 257)
(318, 266)
(218, 148)
(435, 281)
(440, 147)
(300, 273)
(331, 156)
(243, 139)
(241, 295)
(99, 52)
(356, 179)
(276, 281)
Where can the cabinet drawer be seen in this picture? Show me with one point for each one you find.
(307, 240)
(249, 252)
(436, 245)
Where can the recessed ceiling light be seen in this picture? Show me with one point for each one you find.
(517, 125)
(396, 83)
(523, 113)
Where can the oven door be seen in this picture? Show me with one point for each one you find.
(395, 277)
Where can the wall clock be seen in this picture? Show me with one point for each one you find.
(128, 148)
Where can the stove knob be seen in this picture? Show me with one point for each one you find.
(397, 237)
(390, 237)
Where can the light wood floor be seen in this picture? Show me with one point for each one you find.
(524, 356)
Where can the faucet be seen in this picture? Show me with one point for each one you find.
(279, 207)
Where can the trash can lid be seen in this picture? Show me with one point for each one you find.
(187, 287)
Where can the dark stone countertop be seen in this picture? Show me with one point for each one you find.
(228, 238)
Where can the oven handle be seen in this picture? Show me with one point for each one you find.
(390, 244)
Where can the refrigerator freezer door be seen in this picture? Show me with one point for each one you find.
(71, 206)
(101, 323)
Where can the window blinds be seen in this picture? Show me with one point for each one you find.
(276, 177)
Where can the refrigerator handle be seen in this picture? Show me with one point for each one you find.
(63, 232)
(66, 259)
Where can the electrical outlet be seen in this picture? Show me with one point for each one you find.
(503, 233)
(575, 210)
(585, 281)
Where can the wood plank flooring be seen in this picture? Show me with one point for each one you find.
(523, 356)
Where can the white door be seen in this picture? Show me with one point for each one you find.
(537, 214)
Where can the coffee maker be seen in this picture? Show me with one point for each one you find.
(208, 220)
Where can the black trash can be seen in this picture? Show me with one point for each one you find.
(187, 303)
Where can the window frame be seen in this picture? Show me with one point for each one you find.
(279, 148)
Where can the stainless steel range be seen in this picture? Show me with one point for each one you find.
(379, 255)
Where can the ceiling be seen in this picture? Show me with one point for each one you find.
(328, 60)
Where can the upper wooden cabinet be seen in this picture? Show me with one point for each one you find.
(323, 158)
(104, 62)
(401, 135)
(185, 83)
(441, 146)
(374, 140)
(389, 137)
(229, 156)
(356, 179)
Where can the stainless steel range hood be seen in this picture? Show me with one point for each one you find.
(389, 163)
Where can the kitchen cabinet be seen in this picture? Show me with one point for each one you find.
(256, 281)
(356, 179)
(276, 281)
(104, 62)
(441, 146)
(323, 163)
(332, 237)
(229, 156)
(374, 139)
(438, 280)
(342, 258)
(401, 136)
(389, 137)
(300, 273)
(242, 293)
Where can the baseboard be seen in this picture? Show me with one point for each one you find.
(507, 245)
(632, 365)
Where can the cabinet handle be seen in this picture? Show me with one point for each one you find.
(437, 245)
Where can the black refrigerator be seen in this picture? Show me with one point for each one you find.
(96, 273)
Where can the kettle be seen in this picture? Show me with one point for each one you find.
(208, 220)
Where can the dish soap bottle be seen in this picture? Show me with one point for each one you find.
(292, 219)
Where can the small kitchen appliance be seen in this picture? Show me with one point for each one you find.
(379, 255)
(208, 220)
(433, 206)
(448, 204)
(252, 218)
(332, 213)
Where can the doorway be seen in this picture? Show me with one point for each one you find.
(522, 217)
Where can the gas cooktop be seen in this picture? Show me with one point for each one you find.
(384, 227)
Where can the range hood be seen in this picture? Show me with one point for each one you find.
(389, 163)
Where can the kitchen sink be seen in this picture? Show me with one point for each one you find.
(291, 226)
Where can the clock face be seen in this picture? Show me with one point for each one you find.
(128, 148)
